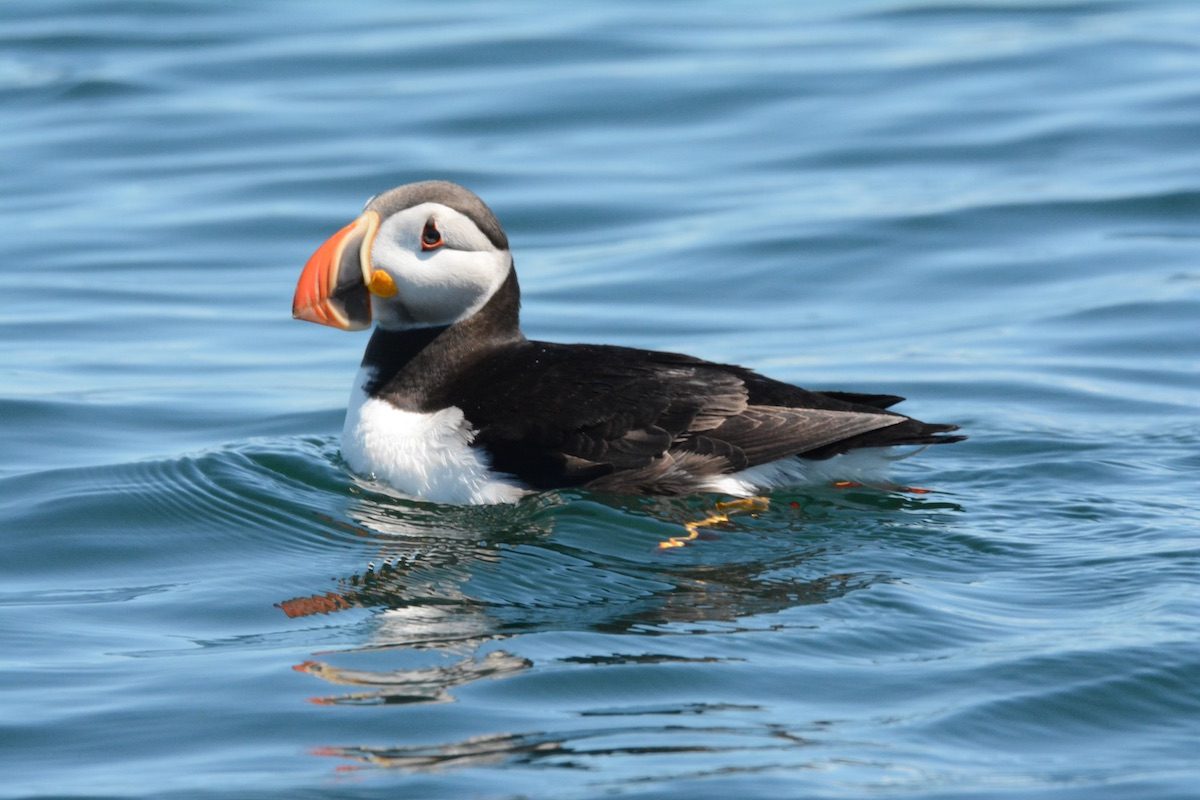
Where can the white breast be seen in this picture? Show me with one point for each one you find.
(425, 455)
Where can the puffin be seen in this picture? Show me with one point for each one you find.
(453, 404)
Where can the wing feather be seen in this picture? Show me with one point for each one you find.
(563, 415)
(768, 433)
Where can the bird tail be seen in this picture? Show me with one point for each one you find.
(908, 432)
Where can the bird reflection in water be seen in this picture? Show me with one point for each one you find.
(455, 580)
(428, 685)
(571, 749)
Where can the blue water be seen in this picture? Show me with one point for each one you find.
(992, 208)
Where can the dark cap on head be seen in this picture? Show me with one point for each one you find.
(449, 194)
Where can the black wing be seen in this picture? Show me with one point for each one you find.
(565, 415)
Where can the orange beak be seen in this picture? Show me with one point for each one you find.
(332, 289)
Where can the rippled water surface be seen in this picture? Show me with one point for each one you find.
(991, 208)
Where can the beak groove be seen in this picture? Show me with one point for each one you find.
(332, 289)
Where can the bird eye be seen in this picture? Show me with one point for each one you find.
(431, 237)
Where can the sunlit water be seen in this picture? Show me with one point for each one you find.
(991, 208)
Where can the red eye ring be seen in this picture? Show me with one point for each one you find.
(431, 237)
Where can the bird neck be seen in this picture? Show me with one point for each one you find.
(412, 368)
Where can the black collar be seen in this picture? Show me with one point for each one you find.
(413, 368)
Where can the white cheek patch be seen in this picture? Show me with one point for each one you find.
(439, 286)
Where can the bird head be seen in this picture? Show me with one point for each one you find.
(420, 255)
